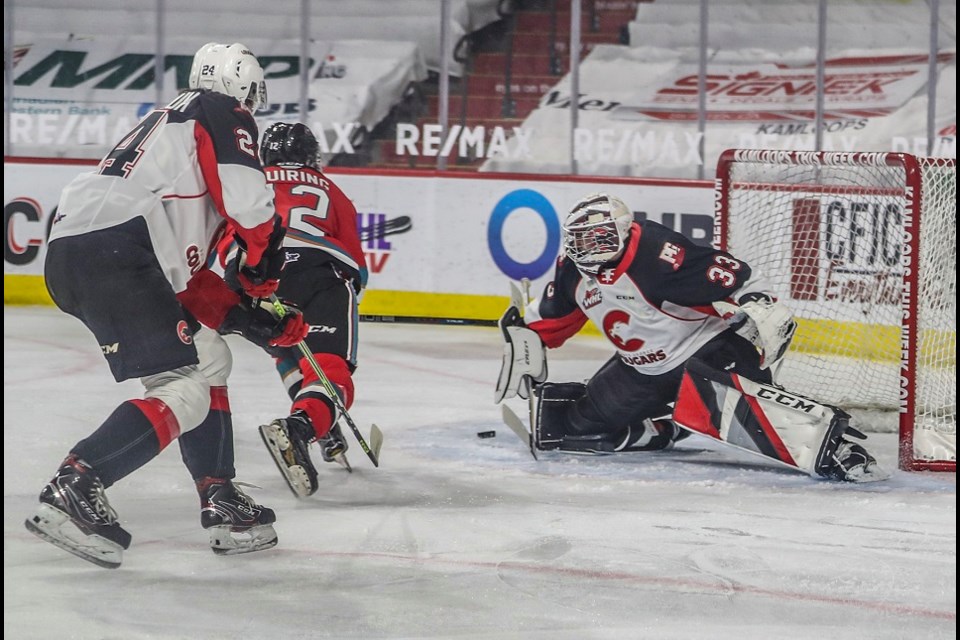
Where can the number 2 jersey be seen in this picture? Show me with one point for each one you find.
(654, 305)
(319, 218)
(320, 222)
(187, 169)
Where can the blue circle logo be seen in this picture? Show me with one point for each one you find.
(523, 198)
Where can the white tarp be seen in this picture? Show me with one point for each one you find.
(415, 21)
(77, 97)
(637, 109)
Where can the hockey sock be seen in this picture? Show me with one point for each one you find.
(208, 449)
(313, 398)
(289, 369)
(133, 435)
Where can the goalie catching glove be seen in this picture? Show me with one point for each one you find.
(524, 358)
(763, 321)
(259, 323)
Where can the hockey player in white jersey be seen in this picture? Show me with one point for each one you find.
(127, 256)
(697, 335)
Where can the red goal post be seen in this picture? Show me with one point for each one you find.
(863, 248)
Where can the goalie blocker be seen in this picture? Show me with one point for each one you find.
(772, 422)
(524, 358)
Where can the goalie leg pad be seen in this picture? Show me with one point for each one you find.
(554, 402)
(561, 424)
(766, 420)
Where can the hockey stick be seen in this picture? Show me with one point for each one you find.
(516, 425)
(376, 436)
(531, 403)
(519, 298)
(521, 295)
(399, 224)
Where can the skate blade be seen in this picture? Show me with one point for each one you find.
(55, 527)
(341, 459)
(228, 541)
(872, 473)
(295, 476)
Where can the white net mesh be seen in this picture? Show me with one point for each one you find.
(935, 412)
(828, 231)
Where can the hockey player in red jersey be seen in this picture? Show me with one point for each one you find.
(127, 256)
(324, 275)
(692, 327)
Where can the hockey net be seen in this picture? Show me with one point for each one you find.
(863, 248)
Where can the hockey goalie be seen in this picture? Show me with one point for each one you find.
(697, 336)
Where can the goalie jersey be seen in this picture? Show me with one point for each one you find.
(655, 305)
(186, 169)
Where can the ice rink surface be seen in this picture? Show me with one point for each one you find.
(460, 537)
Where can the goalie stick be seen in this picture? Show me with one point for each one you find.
(520, 298)
(513, 421)
(376, 436)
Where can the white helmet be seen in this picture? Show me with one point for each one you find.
(596, 231)
(230, 69)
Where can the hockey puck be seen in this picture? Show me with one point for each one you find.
(486, 434)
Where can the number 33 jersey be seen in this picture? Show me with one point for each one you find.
(654, 305)
(186, 169)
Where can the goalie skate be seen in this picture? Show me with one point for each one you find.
(288, 442)
(852, 463)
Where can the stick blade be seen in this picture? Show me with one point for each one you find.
(516, 425)
(376, 441)
(516, 296)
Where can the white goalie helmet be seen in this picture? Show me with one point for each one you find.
(230, 69)
(596, 231)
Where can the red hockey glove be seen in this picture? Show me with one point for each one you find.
(293, 329)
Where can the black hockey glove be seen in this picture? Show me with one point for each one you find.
(260, 324)
(262, 279)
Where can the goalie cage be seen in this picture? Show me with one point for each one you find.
(863, 248)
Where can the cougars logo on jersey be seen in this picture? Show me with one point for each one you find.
(615, 326)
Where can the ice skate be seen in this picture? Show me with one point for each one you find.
(855, 464)
(235, 522)
(333, 448)
(288, 440)
(74, 515)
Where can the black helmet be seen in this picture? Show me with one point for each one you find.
(285, 143)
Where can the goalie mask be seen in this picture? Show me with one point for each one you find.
(285, 143)
(596, 231)
(230, 69)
